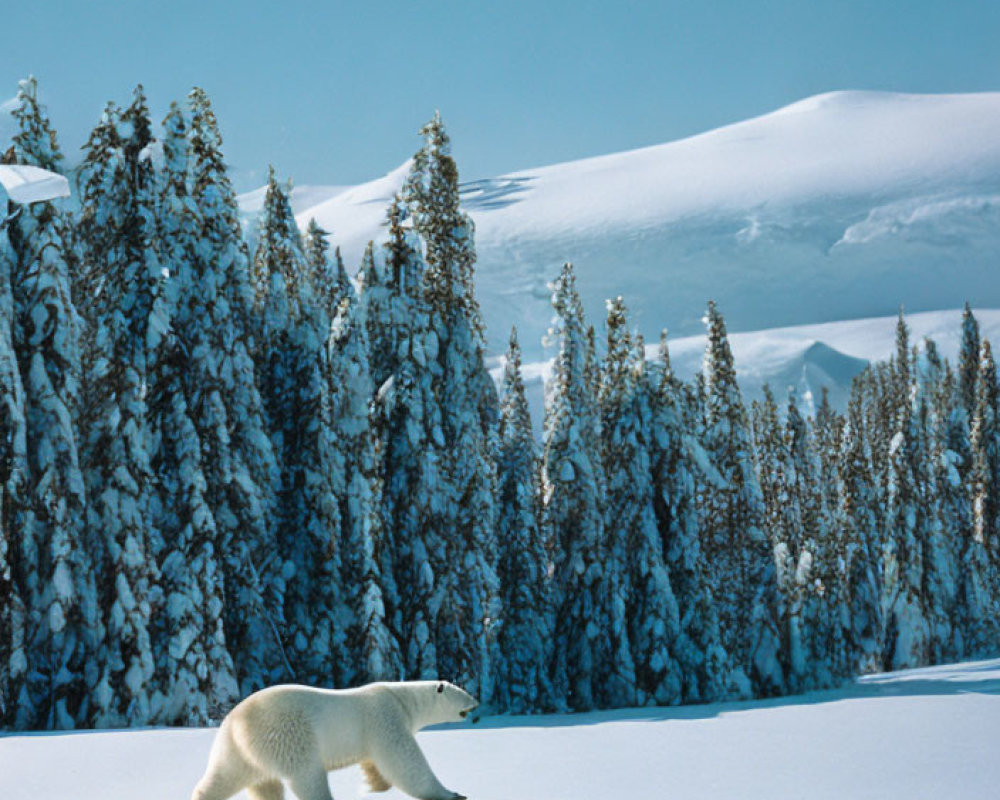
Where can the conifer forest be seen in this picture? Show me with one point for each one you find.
(225, 463)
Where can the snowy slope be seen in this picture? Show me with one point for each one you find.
(841, 206)
(928, 733)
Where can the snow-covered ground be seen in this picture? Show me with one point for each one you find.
(928, 733)
(838, 207)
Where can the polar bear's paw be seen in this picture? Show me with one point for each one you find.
(374, 779)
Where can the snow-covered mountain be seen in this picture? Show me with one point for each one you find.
(839, 207)
(925, 733)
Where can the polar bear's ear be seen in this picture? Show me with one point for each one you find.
(440, 688)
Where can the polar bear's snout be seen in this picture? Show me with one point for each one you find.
(466, 711)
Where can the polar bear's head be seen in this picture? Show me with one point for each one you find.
(441, 701)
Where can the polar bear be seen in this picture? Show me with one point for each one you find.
(298, 733)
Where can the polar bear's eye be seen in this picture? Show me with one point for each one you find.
(440, 688)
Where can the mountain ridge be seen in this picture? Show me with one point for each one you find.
(840, 206)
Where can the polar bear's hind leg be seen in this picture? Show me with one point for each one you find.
(217, 785)
(376, 782)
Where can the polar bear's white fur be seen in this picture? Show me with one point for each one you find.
(298, 734)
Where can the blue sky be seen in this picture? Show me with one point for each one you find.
(334, 92)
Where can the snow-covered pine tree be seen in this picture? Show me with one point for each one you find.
(857, 519)
(812, 458)
(15, 506)
(947, 513)
(981, 594)
(952, 462)
(100, 182)
(372, 650)
(907, 631)
(11, 631)
(127, 319)
(64, 629)
(968, 361)
(316, 617)
(212, 322)
(589, 631)
(411, 443)
(677, 458)
(525, 635)
(196, 675)
(277, 266)
(467, 582)
(744, 578)
(827, 429)
(782, 520)
(431, 193)
(327, 284)
(291, 364)
(378, 310)
(634, 549)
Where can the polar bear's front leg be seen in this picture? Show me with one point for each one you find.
(311, 785)
(268, 790)
(401, 761)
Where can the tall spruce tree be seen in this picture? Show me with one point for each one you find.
(677, 461)
(980, 562)
(968, 361)
(411, 442)
(782, 519)
(196, 672)
(525, 635)
(127, 319)
(212, 323)
(15, 505)
(467, 398)
(857, 518)
(590, 638)
(64, 630)
(947, 513)
(372, 650)
(907, 636)
(743, 572)
(12, 619)
(291, 363)
(328, 284)
(634, 547)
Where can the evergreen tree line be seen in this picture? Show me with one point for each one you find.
(225, 467)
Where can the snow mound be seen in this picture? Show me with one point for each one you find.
(839, 206)
(927, 733)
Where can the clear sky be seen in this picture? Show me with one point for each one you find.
(334, 92)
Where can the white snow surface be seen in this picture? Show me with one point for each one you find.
(841, 206)
(26, 184)
(926, 733)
